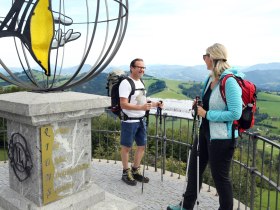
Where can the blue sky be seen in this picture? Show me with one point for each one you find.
(177, 32)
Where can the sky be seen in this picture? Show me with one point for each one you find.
(177, 32)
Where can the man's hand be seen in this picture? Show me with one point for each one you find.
(159, 104)
(147, 106)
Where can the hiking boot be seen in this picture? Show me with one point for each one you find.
(138, 175)
(177, 207)
(127, 177)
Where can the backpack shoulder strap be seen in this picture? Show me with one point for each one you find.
(238, 79)
(132, 84)
(142, 81)
(223, 86)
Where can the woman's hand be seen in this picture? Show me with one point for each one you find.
(201, 112)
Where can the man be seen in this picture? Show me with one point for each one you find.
(133, 126)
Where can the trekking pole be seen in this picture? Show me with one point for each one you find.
(164, 141)
(157, 139)
(147, 115)
(194, 129)
(199, 103)
(159, 109)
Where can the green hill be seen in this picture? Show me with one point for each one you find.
(172, 91)
(268, 111)
(267, 116)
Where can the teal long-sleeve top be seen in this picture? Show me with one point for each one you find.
(220, 114)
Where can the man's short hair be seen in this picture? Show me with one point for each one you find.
(132, 64)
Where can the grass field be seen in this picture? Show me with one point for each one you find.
(265, 200)
(172, 91)
(269, 103)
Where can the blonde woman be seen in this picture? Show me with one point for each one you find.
(215, 135)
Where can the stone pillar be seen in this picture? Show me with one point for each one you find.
(50, 142)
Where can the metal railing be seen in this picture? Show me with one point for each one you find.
(255, 166)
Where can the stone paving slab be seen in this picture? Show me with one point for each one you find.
(157, 194)
(113, 202)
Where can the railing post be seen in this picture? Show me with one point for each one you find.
(157, 137)
(164, 141)
(253, 175)
(240, 181)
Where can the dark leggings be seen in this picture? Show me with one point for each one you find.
(219, 154)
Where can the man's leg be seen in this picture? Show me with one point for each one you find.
(127, 133)
(141, 141)
(137, 174)
(138, 156)
(125, 156)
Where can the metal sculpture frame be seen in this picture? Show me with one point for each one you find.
(59, 39)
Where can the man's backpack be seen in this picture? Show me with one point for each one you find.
(249, 99)
(114, 80)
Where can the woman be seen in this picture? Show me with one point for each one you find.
(215, 137)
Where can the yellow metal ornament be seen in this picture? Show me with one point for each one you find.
(41, 33)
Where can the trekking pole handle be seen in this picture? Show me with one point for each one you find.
(147, 114)
(160, 113)
(197, 102)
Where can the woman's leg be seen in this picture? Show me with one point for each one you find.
(190, 195)
(220, 156)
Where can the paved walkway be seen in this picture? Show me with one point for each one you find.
(157, 194)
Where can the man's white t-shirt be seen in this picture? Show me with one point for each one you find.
(138, 98)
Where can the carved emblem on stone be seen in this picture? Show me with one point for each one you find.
(19, 157)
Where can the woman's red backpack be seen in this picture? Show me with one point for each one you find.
(249, 98)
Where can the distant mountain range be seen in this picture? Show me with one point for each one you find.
(265, 76)
(264, 66)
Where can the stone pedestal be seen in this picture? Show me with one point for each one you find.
(50, 143)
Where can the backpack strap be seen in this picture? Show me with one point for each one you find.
(223, 94)
(223, 86)
(132, 87)
(132, 84)
(239, 81)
